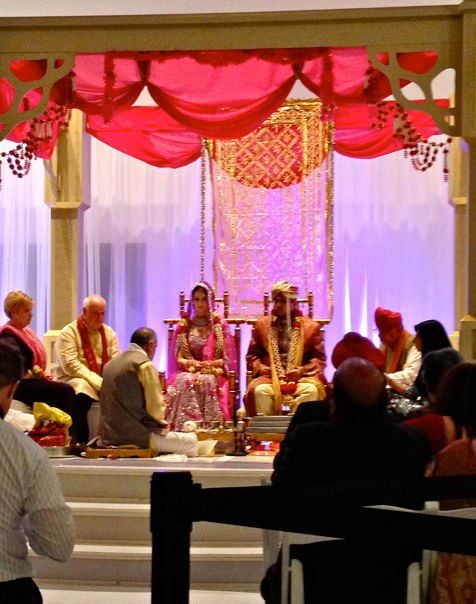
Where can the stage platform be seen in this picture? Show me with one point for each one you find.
(110, 499)
(93, 478)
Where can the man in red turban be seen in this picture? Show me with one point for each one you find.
(355, 345)
(402, 359)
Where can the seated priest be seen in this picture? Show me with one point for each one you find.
(286, 357)
(132, 406)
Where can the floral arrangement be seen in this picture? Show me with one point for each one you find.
(288, 387)
(51, 427)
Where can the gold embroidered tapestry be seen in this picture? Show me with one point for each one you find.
(273, 208)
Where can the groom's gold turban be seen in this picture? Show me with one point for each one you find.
(285, 289)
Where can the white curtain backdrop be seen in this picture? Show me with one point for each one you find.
(25, 240)
(393, 243)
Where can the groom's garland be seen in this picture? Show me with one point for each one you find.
(294, 356)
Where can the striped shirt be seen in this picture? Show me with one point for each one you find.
(32, 506)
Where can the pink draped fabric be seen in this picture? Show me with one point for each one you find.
(340, 76)
(226, 101)
(214, 94)
(106, 83)
(355, 137)
(149, 134)
(345, 75)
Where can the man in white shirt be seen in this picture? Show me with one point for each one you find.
(32, 508)
(402, 358)
(132, 407)
(82, 349)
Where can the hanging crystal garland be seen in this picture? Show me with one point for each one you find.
(41, 131)
(203, 208)
(422, 153)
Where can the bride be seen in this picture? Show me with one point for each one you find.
(200, 357)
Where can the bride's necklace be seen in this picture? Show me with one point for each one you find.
(200, 321)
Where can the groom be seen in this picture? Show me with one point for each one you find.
(286, 357)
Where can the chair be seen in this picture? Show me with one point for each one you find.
(421, 576)
(430, 558)
(418, 575)
(223, 307)
(49, 340)
(307, 300)
(292, 576)
(292, 579)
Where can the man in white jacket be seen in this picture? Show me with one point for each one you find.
(402, 358)
(82, 349)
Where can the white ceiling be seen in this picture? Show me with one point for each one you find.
(48, 8)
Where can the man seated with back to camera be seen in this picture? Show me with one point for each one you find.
(359, 444)
(286, 357)
(353, 344)
(132, 406)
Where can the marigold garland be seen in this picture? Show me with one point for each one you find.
(292, 360)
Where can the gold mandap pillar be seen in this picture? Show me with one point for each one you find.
(459, 200)
(68, 194)
(468, 321)
(468, 131)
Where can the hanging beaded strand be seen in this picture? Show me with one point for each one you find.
(422, 153)
(203, 208)
(41, 129)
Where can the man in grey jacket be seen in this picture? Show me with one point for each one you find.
(132, 407)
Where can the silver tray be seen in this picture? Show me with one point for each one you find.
(57, 451)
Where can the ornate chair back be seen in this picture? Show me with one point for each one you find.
(308, 300)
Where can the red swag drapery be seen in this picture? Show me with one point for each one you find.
(217, 94)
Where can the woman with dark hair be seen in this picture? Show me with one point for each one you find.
(200, 356)
(442, 422)
(429, 336)
(432, 336)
